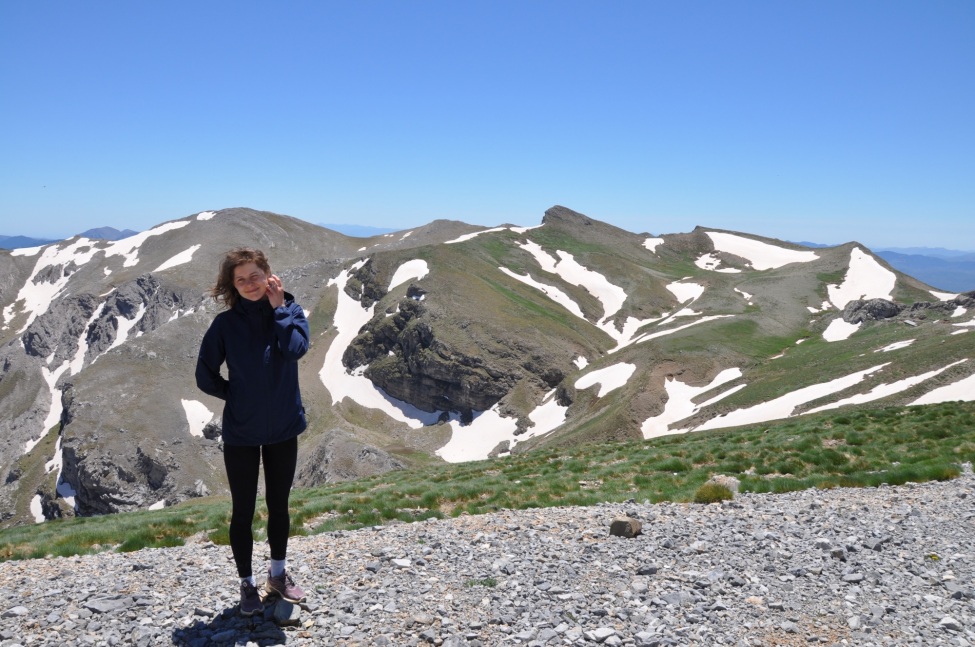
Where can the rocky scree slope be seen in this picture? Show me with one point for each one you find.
(870, 567)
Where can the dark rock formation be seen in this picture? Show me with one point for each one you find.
(406, 360)
(870, 310)
(878, 309)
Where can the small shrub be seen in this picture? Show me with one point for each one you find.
(713, 493)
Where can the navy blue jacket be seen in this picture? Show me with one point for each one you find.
(261, 346)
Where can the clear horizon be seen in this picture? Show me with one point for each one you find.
(807, 121)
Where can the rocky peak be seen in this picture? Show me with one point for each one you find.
(559, 215)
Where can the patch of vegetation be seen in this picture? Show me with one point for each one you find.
(863, 449)
(713, 493)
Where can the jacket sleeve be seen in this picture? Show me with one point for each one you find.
(211, 357)
(291, 329)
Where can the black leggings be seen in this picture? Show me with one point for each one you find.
(243, 465)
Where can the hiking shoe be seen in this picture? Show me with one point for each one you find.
(285, 587)
(250, 600)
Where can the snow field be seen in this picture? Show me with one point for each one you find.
(762, 256)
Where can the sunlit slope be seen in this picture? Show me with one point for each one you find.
(447, 342)
(650, 335)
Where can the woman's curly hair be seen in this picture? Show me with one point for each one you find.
(224, 289)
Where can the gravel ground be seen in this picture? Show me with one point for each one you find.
(880, 566)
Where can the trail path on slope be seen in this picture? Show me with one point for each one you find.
(879, 566)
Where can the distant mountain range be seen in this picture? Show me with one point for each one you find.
(955, 273)
(446, 342)
(19, 242)
(99, 233)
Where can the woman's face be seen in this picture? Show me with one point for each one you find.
(250, 281)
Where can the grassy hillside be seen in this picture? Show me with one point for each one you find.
(862, 448)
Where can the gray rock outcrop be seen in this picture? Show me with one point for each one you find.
(337, 456)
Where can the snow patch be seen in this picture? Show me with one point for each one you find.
(129, 247)
(963, 389)
(546, 417)
(943, 296)
(569, 270)
(36, 510)
(54, 414)
(581, 362)
(27, 251)
(197, 416)
(686, 291)
(748, 297)
(158, 505)
(476, 440)
(653, 243)
(883, 390)
(865, 279)
(609, 378)
(838, 330)
(711, 262)
(467, 237)
(125, 326)
(762, 256)
(205, 215)
(679, 403)
(896, 346)
(415, 269)
(183, 257)
(783, 406)
(551, 292)
(488, 429)
(670, 331)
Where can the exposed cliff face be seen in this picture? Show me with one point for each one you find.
(406, 360)
(114, 469)
(145, 301)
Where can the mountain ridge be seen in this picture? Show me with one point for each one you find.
(443, 342)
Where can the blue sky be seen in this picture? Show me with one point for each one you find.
(823, 121)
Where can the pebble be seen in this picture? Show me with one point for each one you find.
(868, 567)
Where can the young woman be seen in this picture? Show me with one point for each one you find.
(261, 336)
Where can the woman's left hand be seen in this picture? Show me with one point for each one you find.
(275, 291)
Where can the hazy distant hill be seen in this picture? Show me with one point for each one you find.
(100, 233)
(954, 273)
(446, 342)
(16, 242)
(936, 252)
